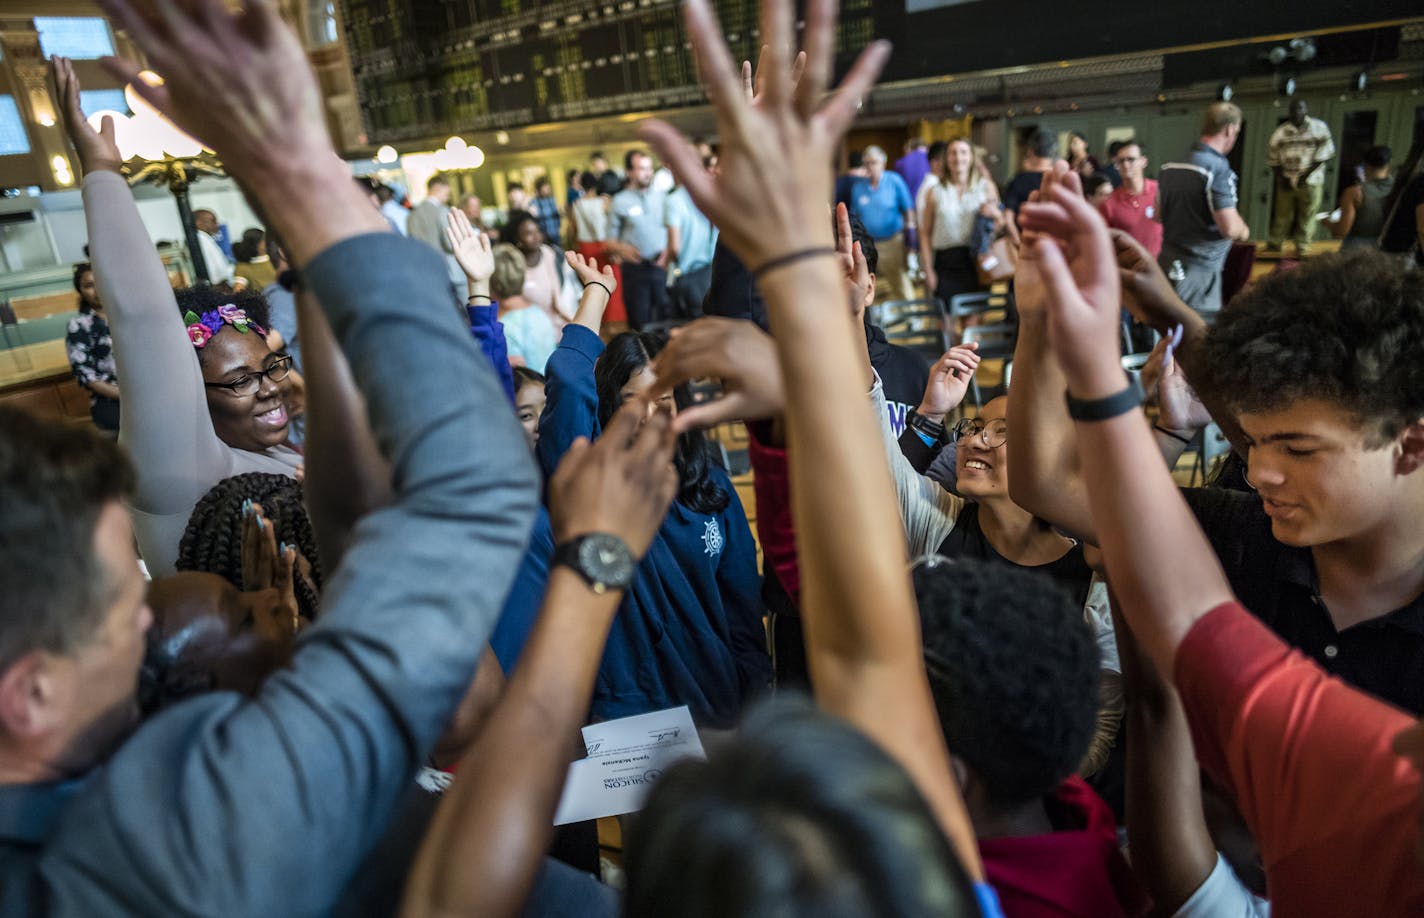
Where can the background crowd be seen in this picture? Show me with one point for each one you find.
(391, 514)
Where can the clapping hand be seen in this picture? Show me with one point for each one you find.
(98, 150)
(1179, 407)
(470, 247)
(775, 175)
(1070, 243)
(622, 484)
(949, 381)
(269, 570)
(1146, 292)
(853, 264)
(734, 351)
(588, 272)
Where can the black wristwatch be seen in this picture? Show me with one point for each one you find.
(599, 558)
(932, 429)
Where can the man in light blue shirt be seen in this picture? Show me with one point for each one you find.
(884, 204)
(638, 239)
(692, 239)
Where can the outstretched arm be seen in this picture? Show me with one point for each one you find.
(374, 681)
(166, 428)
(862, 627)
(1157, 558)
(509, 784)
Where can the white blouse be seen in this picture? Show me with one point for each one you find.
(955, 212)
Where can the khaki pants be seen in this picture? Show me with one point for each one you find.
(892, 278)
(1293, 215)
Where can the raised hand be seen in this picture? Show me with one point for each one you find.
(853, 264)
(769, 198)
(1146, 292)
(1178, 406)
(269, 570)
(753, 87)
(1074, 253)
(734, 351)
(98, 150)
(622, 484)
(470, 246)
(588, 271)
(239, 81)
(949, 381)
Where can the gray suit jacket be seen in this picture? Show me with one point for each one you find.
(227, 806)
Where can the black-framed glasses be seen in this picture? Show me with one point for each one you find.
(249, 383)
(993, 435)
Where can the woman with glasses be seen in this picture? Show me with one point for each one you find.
(201, 396)
(978, 520)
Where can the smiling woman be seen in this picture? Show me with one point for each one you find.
(191, 415)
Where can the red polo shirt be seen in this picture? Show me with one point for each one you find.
(1307, 758)
(1136, 214)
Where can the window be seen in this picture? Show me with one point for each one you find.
(102, 100)
(80, 38)
(13, 138)
(321, 22)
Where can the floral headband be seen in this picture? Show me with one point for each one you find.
(201, 328)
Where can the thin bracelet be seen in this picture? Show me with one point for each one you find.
(479, 296)
(1186, 441)
(605, 287)
(790, 258)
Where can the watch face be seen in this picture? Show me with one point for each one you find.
(605, 560)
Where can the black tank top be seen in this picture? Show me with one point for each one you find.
(967, 540)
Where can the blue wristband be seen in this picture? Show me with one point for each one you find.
(924, 437)
(988, 901)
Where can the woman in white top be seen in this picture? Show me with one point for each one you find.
(589, 214)
(529, 333)
(948, 220)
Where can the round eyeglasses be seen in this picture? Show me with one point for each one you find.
(993, 435)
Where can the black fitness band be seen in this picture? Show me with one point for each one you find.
(599, 284)
(1101, 409)
(931, 429)
(790, 258)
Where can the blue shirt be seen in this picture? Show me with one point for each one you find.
(913, 167)
(697, 235)
(546, 211)
(689, 629)
(881, 208)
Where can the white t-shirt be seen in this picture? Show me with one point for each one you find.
(955, 212)
(1223, 895)
(590, 219)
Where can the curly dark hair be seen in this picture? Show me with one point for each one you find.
(213, 540)
(1346, 329)
(625, 357)
(1014, 672)
(207, 298)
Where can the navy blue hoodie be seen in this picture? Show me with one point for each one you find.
(689, 630)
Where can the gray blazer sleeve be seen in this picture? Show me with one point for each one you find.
(927, 509)
(230, 806)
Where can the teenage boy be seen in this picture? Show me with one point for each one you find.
(1308, 759)
(1318, 375)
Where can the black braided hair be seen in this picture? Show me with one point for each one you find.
(213, 540)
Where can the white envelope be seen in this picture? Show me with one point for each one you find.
(624, 758)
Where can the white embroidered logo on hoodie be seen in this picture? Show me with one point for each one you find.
(712, 539)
